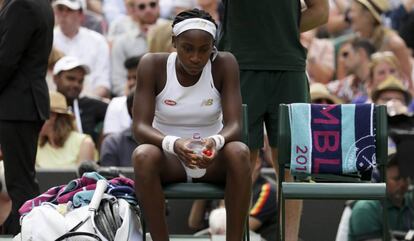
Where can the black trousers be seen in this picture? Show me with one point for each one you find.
(18, 140)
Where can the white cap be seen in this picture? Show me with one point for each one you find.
(68, 63)
(72, 4)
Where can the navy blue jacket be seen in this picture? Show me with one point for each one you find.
(26, 37)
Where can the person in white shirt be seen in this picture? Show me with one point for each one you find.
(133, 42)
(87, 45)
(117, 117)
(123, 23)
(138, 12)
(113, 9)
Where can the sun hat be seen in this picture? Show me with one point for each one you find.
(58, 103)
(319, 91)
(376, 7)
(391, 83)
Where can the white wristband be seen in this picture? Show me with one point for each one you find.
(219, 140)
(168, 143)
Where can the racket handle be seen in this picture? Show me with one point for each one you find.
(97, 195)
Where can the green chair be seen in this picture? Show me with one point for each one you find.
(204, 190)
(330, 186)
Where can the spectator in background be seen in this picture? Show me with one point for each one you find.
(132, 43)
(382, 65)
(88, 46)
(392, 89)
(60, 145)
(320, 95)
(113, 9)
(26, 38)
(139, 13)
(69, 74)
(125, 22)
(366, 221)
(355, 55)
(131, 66)
(117, 117)
(320, 57)
(117, 148)
(365, 16)
(392, 93)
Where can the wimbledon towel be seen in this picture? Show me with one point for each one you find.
(332, 138)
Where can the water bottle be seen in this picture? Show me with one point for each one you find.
(197, 146)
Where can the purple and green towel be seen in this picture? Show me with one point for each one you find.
(335, 139)
(80, 191)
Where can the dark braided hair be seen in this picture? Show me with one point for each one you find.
(194, 13)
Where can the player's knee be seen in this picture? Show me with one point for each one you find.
(238, 156)
(146, 158)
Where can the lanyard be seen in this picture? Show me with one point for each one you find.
(77, 115)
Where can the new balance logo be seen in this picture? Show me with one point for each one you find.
(207, 102)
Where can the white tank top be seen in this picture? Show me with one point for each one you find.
(188, 112)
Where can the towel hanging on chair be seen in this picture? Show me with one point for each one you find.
(333, 139)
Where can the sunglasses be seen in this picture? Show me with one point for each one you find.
(143, 6)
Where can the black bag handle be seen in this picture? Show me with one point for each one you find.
(73, 234)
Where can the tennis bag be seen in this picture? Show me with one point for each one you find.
(106, 218)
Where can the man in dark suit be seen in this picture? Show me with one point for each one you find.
(26, 36)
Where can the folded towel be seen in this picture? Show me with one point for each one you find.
(332, 138)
